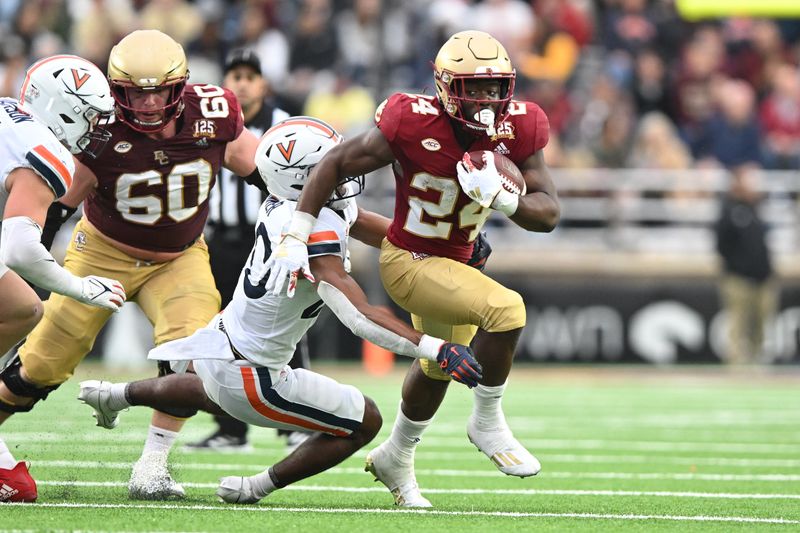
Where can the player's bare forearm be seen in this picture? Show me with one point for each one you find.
(240, 153)
(83, 183)
(370, 228)
(539, 209)
(360, 155)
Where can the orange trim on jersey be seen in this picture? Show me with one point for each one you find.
(36, 66)
(323, 236)
(265, 410)
(54, 162)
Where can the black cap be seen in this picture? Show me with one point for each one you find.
(243, 56)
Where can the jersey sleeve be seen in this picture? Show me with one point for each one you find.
(54, 164)
(236, 112)
(389, 115)
(541, 126)
(211, 104)
(329, 235)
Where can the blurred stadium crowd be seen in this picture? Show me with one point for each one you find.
(626, 83)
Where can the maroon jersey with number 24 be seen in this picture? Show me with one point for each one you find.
(432, 215)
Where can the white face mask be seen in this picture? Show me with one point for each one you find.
(486, 116)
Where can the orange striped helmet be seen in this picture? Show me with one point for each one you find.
(70, 95)
(290, 149)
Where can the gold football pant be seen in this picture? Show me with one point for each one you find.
(178, 297)
(448, 299)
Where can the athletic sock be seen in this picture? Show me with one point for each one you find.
(487, 412)
(118, 399)
(159, 440)
(7, 461)
(407, 433)
(263, 483)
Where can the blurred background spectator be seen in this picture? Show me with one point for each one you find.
(748, 290)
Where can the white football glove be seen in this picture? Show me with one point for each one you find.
(288, 260)
(481, 185)
(102, 292)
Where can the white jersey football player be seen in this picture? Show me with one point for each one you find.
(241, 358)
(63, 102)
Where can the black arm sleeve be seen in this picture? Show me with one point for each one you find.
(254, 178)
(57, 214)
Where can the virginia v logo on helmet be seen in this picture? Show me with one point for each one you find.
(71, 97)
(474, 80)
(290, 149)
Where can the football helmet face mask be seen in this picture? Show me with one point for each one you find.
(468, 57)
(70, 95)
(290, 149)
(143, 62)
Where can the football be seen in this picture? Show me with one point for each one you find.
(511, 175)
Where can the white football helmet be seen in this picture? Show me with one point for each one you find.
(290, 149)
(71, 96)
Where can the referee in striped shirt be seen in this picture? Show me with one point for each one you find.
(233, 210)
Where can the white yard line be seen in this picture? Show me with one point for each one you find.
(512, 492)
(792, 449)
(498, 514)
(453, 472)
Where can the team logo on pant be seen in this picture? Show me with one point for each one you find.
(80, 241)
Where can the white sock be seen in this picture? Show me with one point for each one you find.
(7, 461)
(159, 440)
(487, 412)
(118, 401)
(407, 433)
(262, 483)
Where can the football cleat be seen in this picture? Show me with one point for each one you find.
(500, 446)
(397, 475)
(96, 394)
(236, 489)
(150, 479)
(17, 485)
(220, 442)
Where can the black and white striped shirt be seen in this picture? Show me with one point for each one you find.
(233, 203)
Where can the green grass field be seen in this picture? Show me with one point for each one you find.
(622, 449)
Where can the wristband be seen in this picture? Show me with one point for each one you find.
(428, 347)
(506, 202)
(301, 225)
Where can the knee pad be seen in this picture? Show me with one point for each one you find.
(12, 378)
(175, 412)
(505, 311)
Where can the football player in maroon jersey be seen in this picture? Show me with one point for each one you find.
(439, 209)
(146, 203)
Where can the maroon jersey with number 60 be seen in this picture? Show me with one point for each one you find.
(432, 215)
(153, 194)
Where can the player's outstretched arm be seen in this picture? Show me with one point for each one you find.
(23, 252)
(347, 300)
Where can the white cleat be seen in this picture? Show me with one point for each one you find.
(150, 479)
(96, 394)
(236, 489)
(397, 475)
(507, 454)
